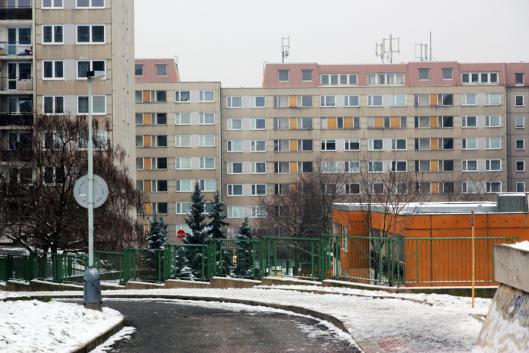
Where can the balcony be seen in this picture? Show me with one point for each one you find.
(8, 119)
(16, 51)
(15, 10)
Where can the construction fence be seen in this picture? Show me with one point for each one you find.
(391, 261)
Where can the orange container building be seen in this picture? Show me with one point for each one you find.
(427, 244)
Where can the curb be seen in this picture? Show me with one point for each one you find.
(292, 308)
(101, 338)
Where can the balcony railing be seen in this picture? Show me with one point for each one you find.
(22, 12)
(16, 49)
(9, 119)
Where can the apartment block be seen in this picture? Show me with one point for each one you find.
(460, 127)
(178, 139)
(46, 48)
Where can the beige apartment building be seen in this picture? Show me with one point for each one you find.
(46, 48)
(456, 128)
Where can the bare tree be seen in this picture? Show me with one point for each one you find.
(37, 177)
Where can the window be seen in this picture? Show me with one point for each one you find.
(519, 122)
(183, 207)
(520, 166)
(258, 124)
(207, 185)
(306, 75)
(493, 165)
(352, 166)
(90, 3)
(160, 141)
(352, 189)
(53, 105)
(446, 143)
(234, 168)
(445, 99)
(281, 123)
(399, 166)
(183, 119)
(446, 122)
(519, 101)
(469, 165)
(470, 187)
(493, 99)
(398, 144)
(90, 34)
(447, 187)
(281, 189)
(493, 121)
(422, 100)
(352, 101)
(385, 78)
(447, 73)
(304, 145)
(83, 66)
(159, 186)
(53, 34)
(422, 166)
(469, 143)
(282, 75)
(54, 175)
(446, 165)
(422, 122)
(161, 163)
(376, 188)
(182, 96)
(138, 96)
(258, 168)
(160, 119)
(328, 101)
(258, 146)
(207, 162)
(139, 163)
(234, 146)
(207, 96)
(99, 105)
(305, 167)
(468, 99)
(139, 141)
(329, 167)
(352, 145)
(424, 74)
(281, 145)
(374, 101)
(469, 121)
(423, 187)
(520, 186)
(234, 189)
(138, 69)
(281, 167)
(235, 124)
(234, 102)
(259, 190)
(338, 79)
(236, 212)
(161, 69)
(52, 4)
(183, 141)
(184, 185)
(422, 144)
(375, 144)
(207, 141)
(375, 166)
(304, 123)
(260, 102)
(329, 189)
(520, 144)
(493, 143)
(207, 118)
(53, 70)
(399, 100)
(479, 77)
(519, 78)
(328, 145)
(183, 163)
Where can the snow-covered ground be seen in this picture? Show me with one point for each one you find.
(430, 323)
(34, 326)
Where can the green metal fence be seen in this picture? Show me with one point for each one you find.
(187, 261)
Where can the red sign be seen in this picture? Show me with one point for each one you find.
(180, 234)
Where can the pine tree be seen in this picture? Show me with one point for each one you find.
(246, 252)
(157, 235)
(217, 217)
(196, 219)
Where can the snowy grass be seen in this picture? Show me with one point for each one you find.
(35, 326)
(430, 323)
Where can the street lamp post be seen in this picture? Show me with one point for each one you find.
(92, 284)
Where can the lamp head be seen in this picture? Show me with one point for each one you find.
(95, 75)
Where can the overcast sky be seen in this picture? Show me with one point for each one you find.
(229, 40)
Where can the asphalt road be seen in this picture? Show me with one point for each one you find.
(169, 327)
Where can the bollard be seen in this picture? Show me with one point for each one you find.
(92, 289)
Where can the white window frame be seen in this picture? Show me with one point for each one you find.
(203, 162)
(230, 124)
(178, 96)
(204, 138)
(178, 141)
(255, 143)
(53, 42)
(371, 102)
(254, 190)
(53, 78)
(516, 144)
(324, 144)
(465, 165)
(91, 41)
(178, 119)
(202, 96)
(179, 161)
(520, 183)
(230, 100)
(230, 168)
(517, 119)
(349, 142)
(52, 7)
(254, 168)
(464, 122)
(231, 188)
(90, 6)
(91, 68)
(93, 102)
(180, 207)
(229, 146)
(464, 99)
(490, 118)
(54, 105)
(202, 118)
(488, 165)
(523, 100)
(328, 101)
(253, 124)
(490, 95)
(516, 166)
(255, 105)
(489, 145)
(349, 98)
(464, 143)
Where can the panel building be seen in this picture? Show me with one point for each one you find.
(461, 127)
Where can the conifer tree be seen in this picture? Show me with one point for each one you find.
(157, 235)
(246, 252)
(217, 217)
(196, 219)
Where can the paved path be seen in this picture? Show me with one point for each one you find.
(167, 327)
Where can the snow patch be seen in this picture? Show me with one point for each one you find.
(124, 334)
(523, 245)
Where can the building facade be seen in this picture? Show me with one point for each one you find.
(457, 129)
(46, 48)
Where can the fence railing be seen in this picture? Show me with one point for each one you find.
(393, 261)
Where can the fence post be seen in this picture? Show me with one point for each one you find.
(390, 261)
(125, 274)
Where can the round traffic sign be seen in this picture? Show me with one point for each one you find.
(180, 234)
(80, 191)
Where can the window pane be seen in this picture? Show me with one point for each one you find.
(98, 34)
(83, 34)
(57, 34)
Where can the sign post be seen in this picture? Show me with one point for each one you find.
(472, 222)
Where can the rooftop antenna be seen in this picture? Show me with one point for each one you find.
(431, 46)
(387, 47)
(285, 48)
(421, 51)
